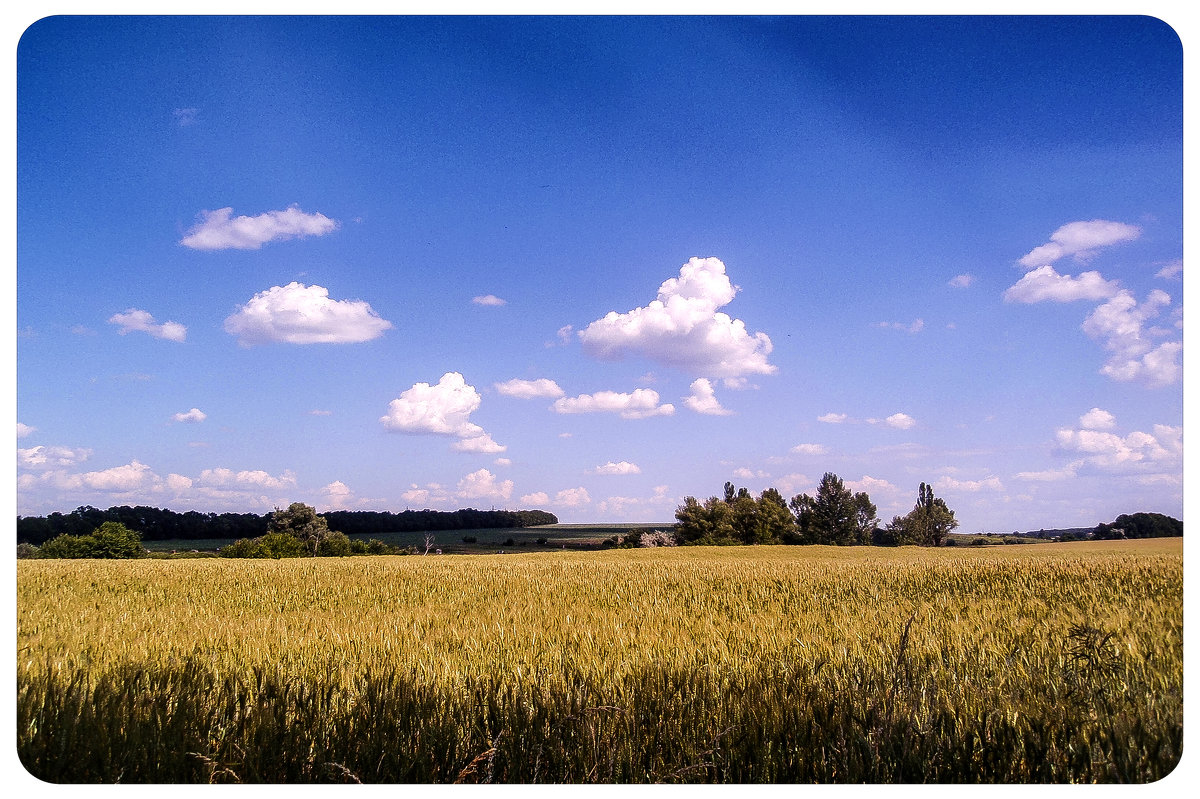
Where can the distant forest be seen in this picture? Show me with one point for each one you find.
(155, 524)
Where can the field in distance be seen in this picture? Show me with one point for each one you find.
(1034, 663)
(451, 542)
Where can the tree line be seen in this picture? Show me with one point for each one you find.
(834, 515)
(156, 524)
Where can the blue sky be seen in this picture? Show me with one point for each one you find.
(595, 265)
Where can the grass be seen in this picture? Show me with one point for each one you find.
(1038, 663)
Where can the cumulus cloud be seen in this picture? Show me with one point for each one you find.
(1111, 451)
(572, 497)
(991, 483)
(221, 477)
(1044, 284)
(1120, 324)
(1097, 419)
(337, 495)
(220, 230)
(536, 498)
(642, 403)
(704, 400)
(529, 389)
(1081, 240)
(42, 457)
(441, 410)
(24, 430)
(832, 418)
(133, 476)
(194, 415)
(488, 299)
(870, 484)
(482, 444)
(900, 421)
(1171, 271)
(621, 505)
(961, 281)
(300, 314)
(1048, 476)
(432, 494)
(745, 473)
(682, 328)
(810, 449)
(135, 319)
(623, 467)
(482, 484)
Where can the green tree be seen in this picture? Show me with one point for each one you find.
(109, 540)
(301, 521)
(710, 523)
(927, 524)
(836, 515)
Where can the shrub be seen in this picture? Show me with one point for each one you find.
(469, 539)
(242, 548)
(26, 550)
(109, 540)
(335, 545)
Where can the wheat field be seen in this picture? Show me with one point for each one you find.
(1033, 663)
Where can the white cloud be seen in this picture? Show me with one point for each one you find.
(482, 444)
(219, 230)
(810, 449)
(1120, 324)
(1136, 451)
(790, 484)
(299, 314)
(185, 116)
(961, 281)
(991, 483)
(916, 326)
(536, 498)
(194, 415)
(900, 421)
(744, 473)
(488, 299)
(1044, 284)
(572, 497)
(138, 320)
(528, 389)
(640, 404)
(432, 494)
(221, 477)
(317, 412)
(832, 418)
(1049, 475)
(24, 430)
(868, 484)
(441, 410)
(42, 457)
(1081, 240)
(482, 484)
(337, 495)
(624, 467)
(704, 400)
(619, 505)
(1171, 271)
(133, 476)
(683, 328)
(1097, 419)
(178, 484)
(503, 461)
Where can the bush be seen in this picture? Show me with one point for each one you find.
(335, 545)
(469, 539)
(109, 540)
(243, 548)
(26, 550)
(542, 542)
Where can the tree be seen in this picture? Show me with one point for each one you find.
(301, 521)
(109, 540)
(710, 523)
(927, 524)
(835, 515)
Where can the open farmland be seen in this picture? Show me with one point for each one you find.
(1047, 662)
